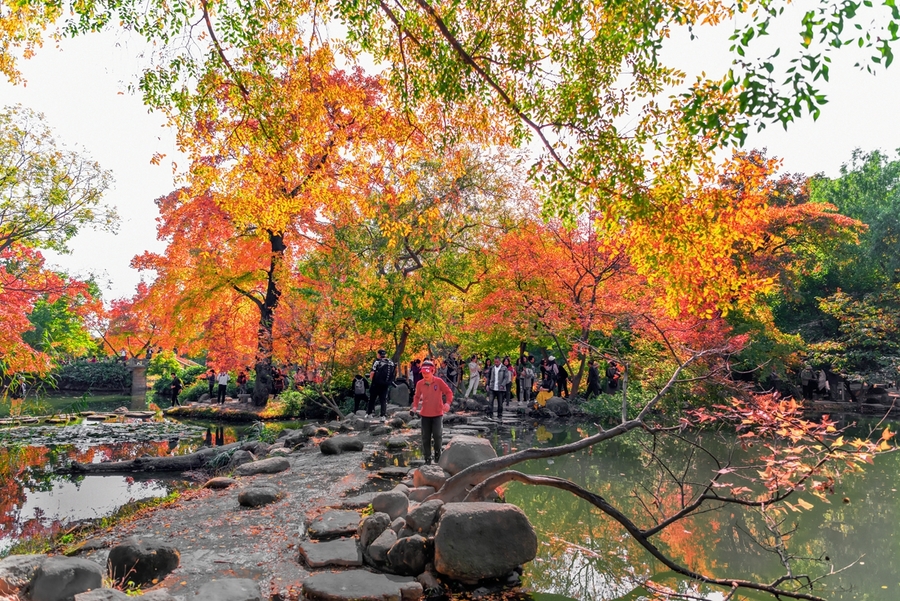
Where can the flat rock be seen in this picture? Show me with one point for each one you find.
(17, 570)
(229, 589)
(464, 451)
(393, 472)
(61, 578)
(141, 561)
(335, 523)
(272, 465)
(257, 496)
(343, 552)
(396, 442)
(102, 594)
(380, 430)
(340, 444)
(358, 501)
(360, 585)
(219, 483)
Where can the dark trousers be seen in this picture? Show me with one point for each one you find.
(593, 389)
(212, 386)
(432, 429)
(377, 392)
(809, 388)
(500, 396)
(221, 397)
(508, 392)
(359, 399)
(175, 393)
(563, 386)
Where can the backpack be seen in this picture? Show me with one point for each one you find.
(359, 386)
(383, 371)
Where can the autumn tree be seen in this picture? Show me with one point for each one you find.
(49, 193)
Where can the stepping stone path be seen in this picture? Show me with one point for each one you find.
(360, 585)
(343, 552)
(229, 589)
(334, 523)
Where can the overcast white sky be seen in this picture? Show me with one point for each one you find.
(80, 89)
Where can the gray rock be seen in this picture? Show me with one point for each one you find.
(229, 589)
(17, 570)
(380, 430)
(273, 465)
(141, 561)
(396, 423)
(408, 556)
(372, 527)
(219, 483)
(204, 398)
(279, 452)
(401, 487)
(393, 471)
(420, 493)
(360, 585)
(423, 517)
(295, 439)
(396, 443)
(340, 444)
(399, 395)
(430, 583)
(159, 595)
(311, 430)
(475, 541)
(405, 532)
(257, 447)
(103, 594)
(454, 419)
(559, 406)
(474, 405)
(379, 548)
(335, 523)
(61, 578)
(415, 424)
(343, 552)
(257, 496)
(239, 458)
(404, 416)
(430, 475)
(356, 423)
(398, 524)
(393, 502)
(464, 451)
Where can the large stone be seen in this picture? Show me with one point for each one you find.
(103, 594)
(396, 443)
(423, 517)
(335, 523)
(399, 395)
(257, 496)
(420, 493)
(372, 527)
(272, 465)
(239, 458)
(343, 552)
(61, 578)
(295, 439)
(430, 475)
(380, 430)
(360, 585)
(141, 561)
(379, 548)
(229, 589)
(464, 451)
(17, 570)
(393, 502)
(358, 501)
(159, 595)
(403, 416)
(559, 406)
(408, 556)
(341, 444)
(475, 541)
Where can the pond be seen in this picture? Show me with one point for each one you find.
(583, 554)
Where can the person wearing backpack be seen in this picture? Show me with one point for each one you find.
(360, 386)
(382, 376)
(593, 380)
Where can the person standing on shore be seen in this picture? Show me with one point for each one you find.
(431, 401)
(176, 387)
(222, 379)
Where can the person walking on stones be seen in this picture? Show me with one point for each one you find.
(593, 380)
(242, 382)
(211, 380)
(507, 363)
(526, 380)
(381, 376)
(175, 388)
(498, 378)
(360, 386)
(474, 376)
(431, 401)
(808, 381)
(222, 379)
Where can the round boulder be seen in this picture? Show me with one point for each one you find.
(372, 527)
(257, 496)
(559, 406)
(393, 502)
(475, 541)
(272, 465)
(430, 475)
(340, 444)
(408, 556)
(464, 451)
(59, 578)
(141, 561)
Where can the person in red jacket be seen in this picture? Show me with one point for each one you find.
(431, 401)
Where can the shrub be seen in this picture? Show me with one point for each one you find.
(83, 376)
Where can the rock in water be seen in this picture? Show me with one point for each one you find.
(475, 541)
(229, 589)
(340, 444)
(559, 406)
(141, 561)
(360, 585)
(60, 578)
(464, 451)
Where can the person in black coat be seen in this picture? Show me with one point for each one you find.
(593, 380)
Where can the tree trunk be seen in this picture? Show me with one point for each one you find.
(263, 384)
(401, 344)
(576, 379)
